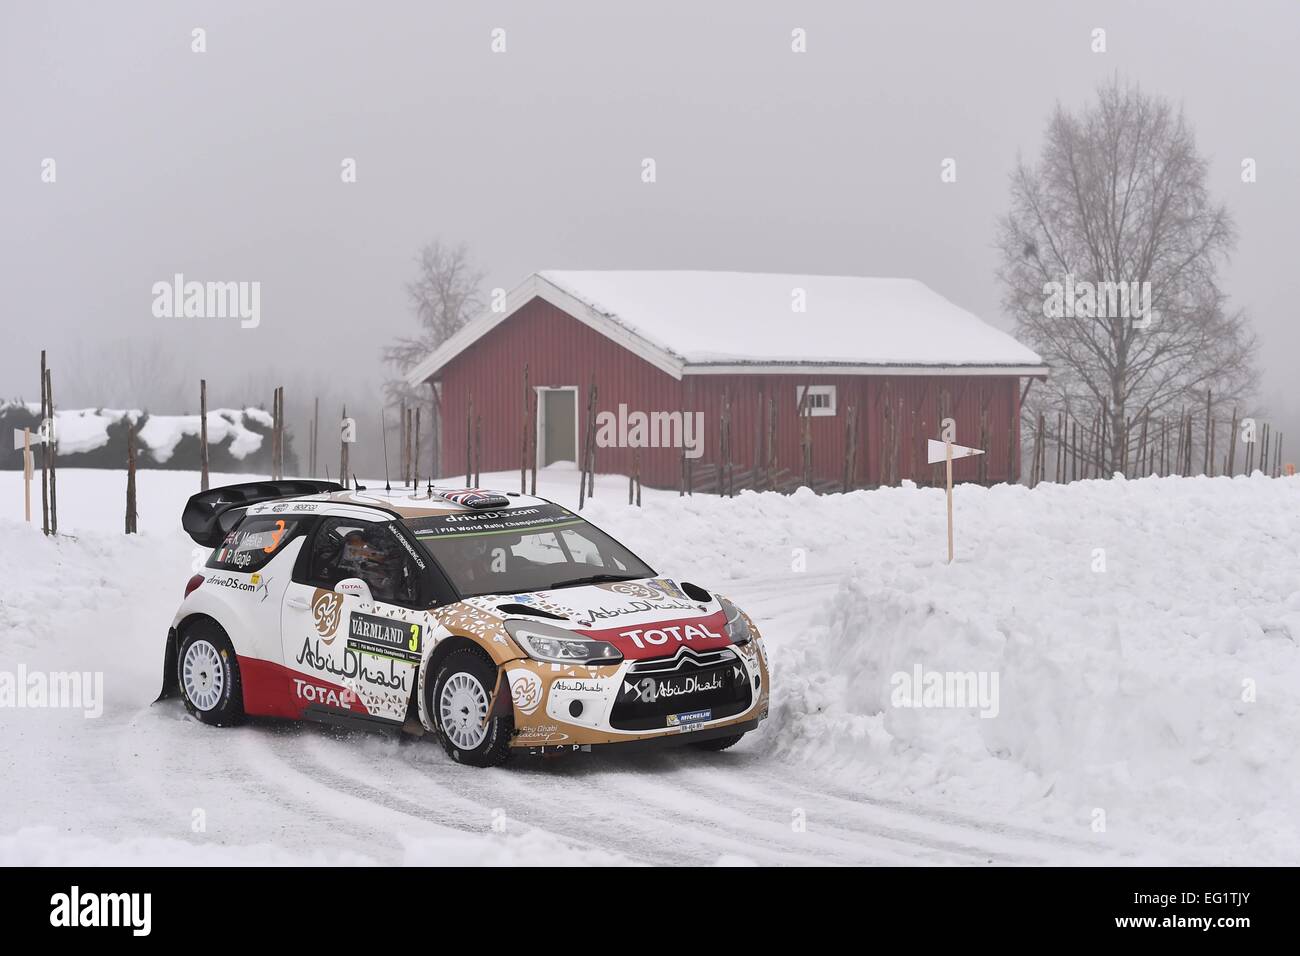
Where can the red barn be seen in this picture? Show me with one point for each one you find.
(729, 380)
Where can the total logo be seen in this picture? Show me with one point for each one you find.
(329, 696)
(658, 636)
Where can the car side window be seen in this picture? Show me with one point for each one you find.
(351, 548)
(253, 542)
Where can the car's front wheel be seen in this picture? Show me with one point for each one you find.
(719, 743)
(208, 674)
(459, 700)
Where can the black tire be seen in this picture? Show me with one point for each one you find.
(718, 743)
(228, 708)
(494, 748)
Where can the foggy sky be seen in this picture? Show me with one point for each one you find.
(226, 165)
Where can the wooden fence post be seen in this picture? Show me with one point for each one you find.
(279, 432)
(588, 438)
(478, 450)
(203, 434)
(45, 453)
(591, 444)
(982, 464)
(1209, 452)
(1232, 445)
(52, 444)
(1209, 394)
(724, 443)
(131, 512)
(280, 445)
(343, 452)
(275, 430)
(469, 443)
(523, 438)
(770, 469)
(532, 431)
(315, 436)
(404, 428)
(1060, 447)
(275, 427)
(850, 447)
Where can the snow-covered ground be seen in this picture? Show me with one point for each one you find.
(1142, 636)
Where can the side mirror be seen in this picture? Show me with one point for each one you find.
(356, 587)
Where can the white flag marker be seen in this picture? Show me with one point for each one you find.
(946, 451)
(21, 440)
(936, 451)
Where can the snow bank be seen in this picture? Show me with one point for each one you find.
(85, 429)
(1143, 636)
(162, 433)
(82, 430)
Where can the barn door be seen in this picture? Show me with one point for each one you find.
(557, 425)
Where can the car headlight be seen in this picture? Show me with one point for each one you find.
(737, 627)
(544, 642)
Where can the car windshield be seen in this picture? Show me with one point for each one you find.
(529, 548)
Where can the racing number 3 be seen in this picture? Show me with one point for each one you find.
(275, 537)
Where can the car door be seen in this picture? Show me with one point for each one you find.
(354, 649)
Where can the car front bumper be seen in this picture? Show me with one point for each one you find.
(681, 699)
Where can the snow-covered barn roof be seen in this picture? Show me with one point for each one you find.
(692, 323)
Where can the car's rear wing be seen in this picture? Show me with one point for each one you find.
(201, 518)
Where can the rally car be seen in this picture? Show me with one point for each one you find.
(497, 622)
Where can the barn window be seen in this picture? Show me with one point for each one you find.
(821, 399)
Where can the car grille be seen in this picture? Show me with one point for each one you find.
(668, 692)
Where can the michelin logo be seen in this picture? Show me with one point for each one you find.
(690, 717)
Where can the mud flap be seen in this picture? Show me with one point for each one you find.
(170, 684)
(412, 726)
(499, 703)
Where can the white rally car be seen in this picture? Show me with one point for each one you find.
(498, 622)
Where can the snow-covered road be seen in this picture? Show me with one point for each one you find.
(313, 793)
(830, 779)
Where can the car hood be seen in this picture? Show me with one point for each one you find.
(650, 617)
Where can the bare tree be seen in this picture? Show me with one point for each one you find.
(444, 296)
(1117, 209)
(127, 374)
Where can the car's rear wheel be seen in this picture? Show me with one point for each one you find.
(718, 743)
(207, 672)
(459, 700)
